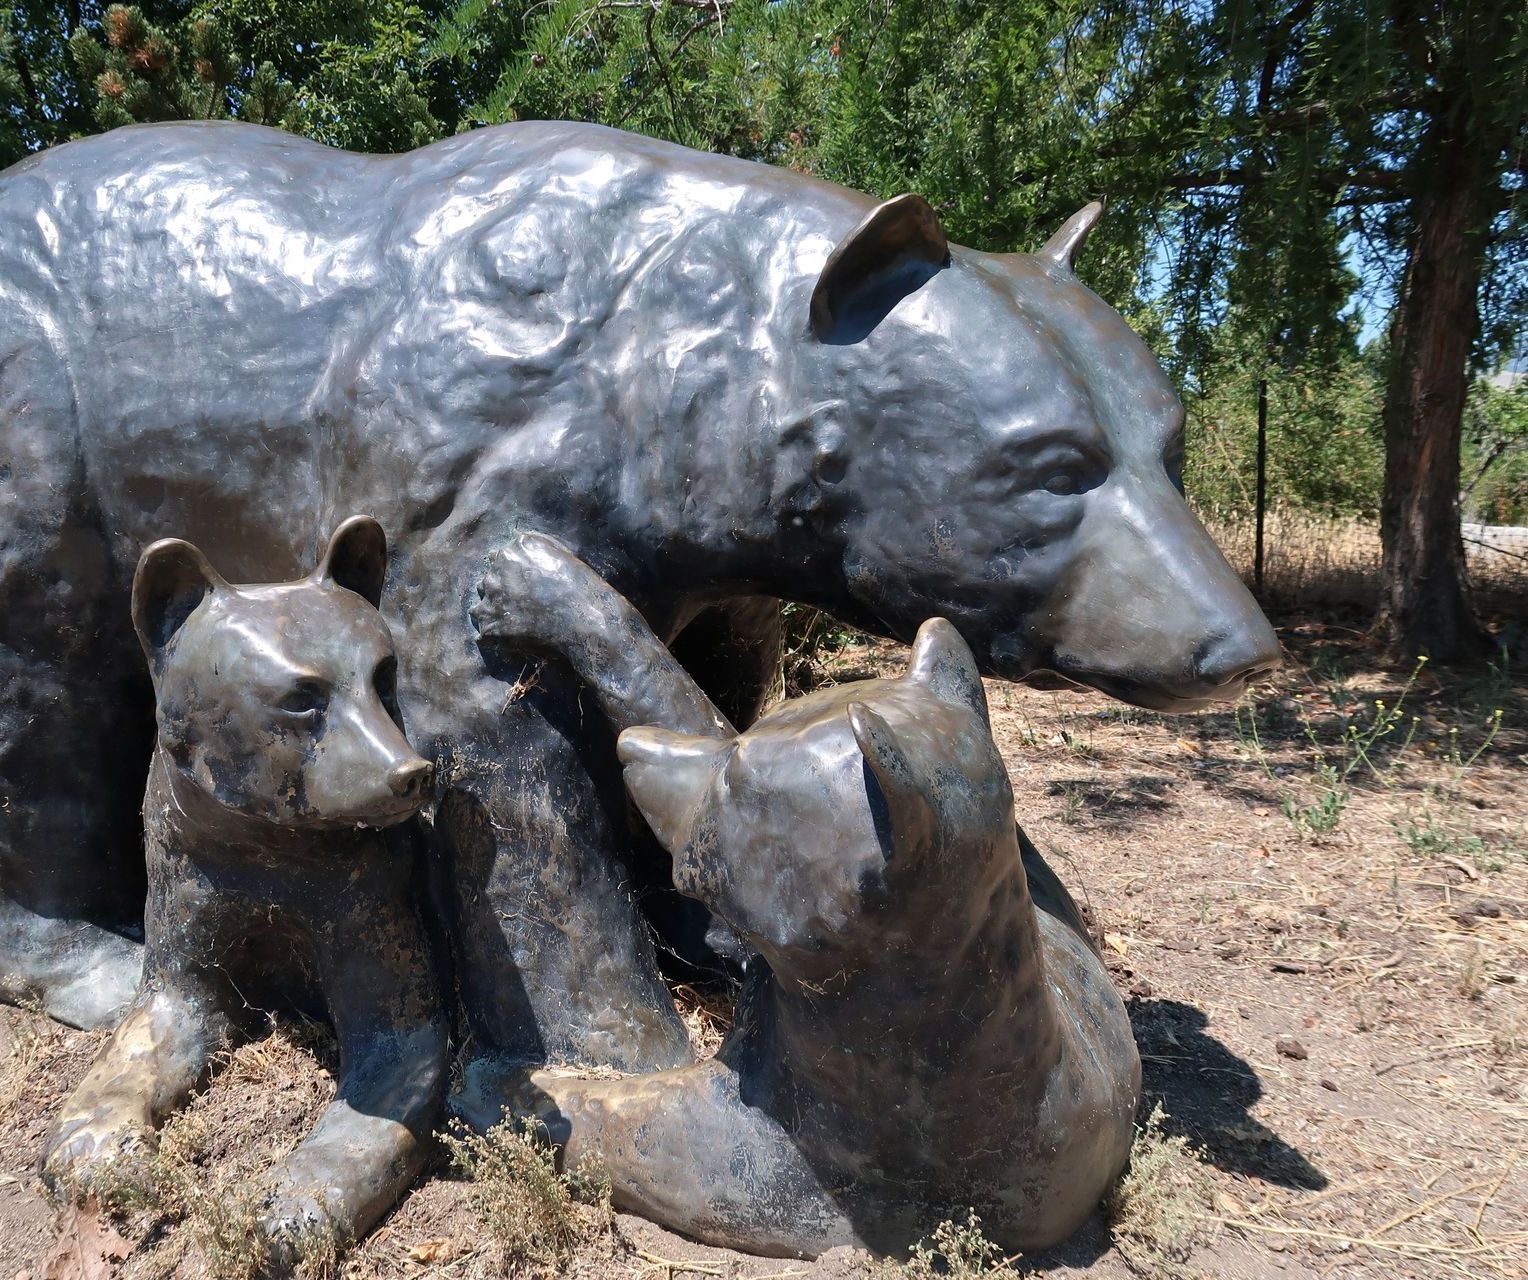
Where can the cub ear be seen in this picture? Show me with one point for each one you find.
(357, 558)
(172, 578)
(943, 664)
(668, 775)
(1066, 244)
(898, 248)
(904, 820)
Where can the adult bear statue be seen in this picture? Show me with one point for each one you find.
(716, 381)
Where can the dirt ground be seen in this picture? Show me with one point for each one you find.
(1316, 905)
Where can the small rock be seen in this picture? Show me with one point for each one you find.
(1141, 989)
(1291, 1048)
(435, 1249)
(1244, 1012)
(1489, 907)
(1229, 1205)
(1328, 1083)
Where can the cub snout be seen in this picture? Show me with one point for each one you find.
(364, 772)
(411, 780)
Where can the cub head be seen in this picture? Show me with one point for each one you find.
(837, 828)
(981, 437)
(277, 700)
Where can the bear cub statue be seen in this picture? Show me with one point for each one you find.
(913, 1038)
(273, 883)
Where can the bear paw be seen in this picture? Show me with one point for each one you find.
(299, 1229)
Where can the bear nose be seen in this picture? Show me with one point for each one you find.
(1242, 657)
(409, 781)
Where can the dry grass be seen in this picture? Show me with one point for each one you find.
(194, 1201)
(707, 1015)
(535, 1215)
(1155, 1207)
(35, 1042)
(1312, 559)
(173, 1185)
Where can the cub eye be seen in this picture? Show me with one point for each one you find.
(385, 678)
(305, 701)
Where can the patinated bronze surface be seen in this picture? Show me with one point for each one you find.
(272, 884)
(913, 1037)
(716, 381)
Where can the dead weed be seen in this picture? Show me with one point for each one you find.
(198, 1195)
(535, 1215)
(1155, 1206)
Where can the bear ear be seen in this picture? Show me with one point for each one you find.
(172, 578)
(904, 819)
(668, 775)
(943, 664)
(357, 558)
(1063, 247)
(894, 251)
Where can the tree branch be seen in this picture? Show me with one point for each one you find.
(668, 85)
(25, 72)
(1328, 180)
(1307, 113)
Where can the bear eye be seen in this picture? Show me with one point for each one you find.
(306, 700)
(385, 678)
(1062, 461)
(1172, 462)
(1063, 483)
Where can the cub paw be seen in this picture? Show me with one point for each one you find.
(107, 1167)
(528, 589)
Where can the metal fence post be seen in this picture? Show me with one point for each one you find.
(1262, 484)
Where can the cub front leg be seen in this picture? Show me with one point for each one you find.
(537, 593)
(161, 1053)
(369, 1144)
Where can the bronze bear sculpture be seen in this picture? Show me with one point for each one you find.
(717, 381)
(272, 882)
(913, 1037)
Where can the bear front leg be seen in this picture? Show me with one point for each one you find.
(538, 593)
(552, 959)
(369, 1144)
(161, 1053)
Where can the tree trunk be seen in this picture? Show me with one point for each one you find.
(1425, 605)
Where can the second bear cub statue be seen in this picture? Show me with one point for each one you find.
(913, 1038)
(279, 761)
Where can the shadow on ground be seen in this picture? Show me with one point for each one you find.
(1207, 1092)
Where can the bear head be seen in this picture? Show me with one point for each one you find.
(843, 826)
(980, 437)
(277, 700)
